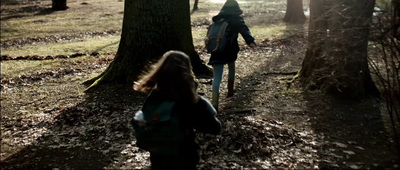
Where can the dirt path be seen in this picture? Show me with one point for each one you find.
(48, 122)
(266, 124)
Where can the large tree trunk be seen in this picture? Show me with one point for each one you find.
(59, 4)
(294, 12)
(150, 28)
(336, 58)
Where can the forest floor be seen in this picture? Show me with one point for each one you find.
(48, 122)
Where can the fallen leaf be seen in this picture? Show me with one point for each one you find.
(342, 145)
(349, 152)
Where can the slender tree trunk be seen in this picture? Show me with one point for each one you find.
(150, 28)
(336, 59)
(396, 18)
(195, 5)
(59, 4)
(294, 12)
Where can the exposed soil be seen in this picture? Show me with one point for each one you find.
(47, 122)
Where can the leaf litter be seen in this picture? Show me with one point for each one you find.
(94, 131)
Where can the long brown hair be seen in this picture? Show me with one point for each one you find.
(171, 75)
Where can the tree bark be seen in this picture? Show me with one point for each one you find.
(396, 18)
(336, 58)
(195, 5)
(294, 12)
(150, 28)
(59, 4)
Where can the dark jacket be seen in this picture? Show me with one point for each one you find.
(193, 117)
(236, 25)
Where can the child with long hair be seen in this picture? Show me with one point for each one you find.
(172, 79)
(231, 13)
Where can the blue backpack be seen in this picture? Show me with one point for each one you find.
(216, 40)
(157, 128)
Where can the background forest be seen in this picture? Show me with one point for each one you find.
(321, 90)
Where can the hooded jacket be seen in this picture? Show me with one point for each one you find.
(231, 12)
(193, 117)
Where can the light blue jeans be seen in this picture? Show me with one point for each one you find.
(218, 70)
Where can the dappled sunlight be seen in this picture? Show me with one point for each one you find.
(217, 1)
(239, 1)
(271, 121)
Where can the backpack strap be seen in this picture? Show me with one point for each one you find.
(221, 32)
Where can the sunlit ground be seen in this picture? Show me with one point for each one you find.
(240, 2)
(306, 11)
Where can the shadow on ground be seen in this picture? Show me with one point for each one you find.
(30, 10)
(89, 135)
(333, 133)
(252, 118)
(354, 133)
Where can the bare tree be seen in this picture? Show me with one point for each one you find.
(195, 5)
(150, 28)
(294, 12)
(336, 59)
(59, 4)
(385, 62)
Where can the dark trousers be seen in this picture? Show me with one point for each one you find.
(185, 161)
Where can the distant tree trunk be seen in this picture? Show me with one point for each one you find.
(396, 18)
(336, 58)
(150, 28)
(294, 12)
(195, 5)
(59, 4)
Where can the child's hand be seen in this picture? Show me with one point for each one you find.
(138, 119)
